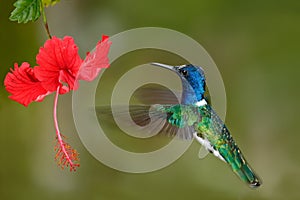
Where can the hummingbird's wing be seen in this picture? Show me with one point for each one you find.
(149, 113)
(148, 120)
(157, 94)
(213, 131)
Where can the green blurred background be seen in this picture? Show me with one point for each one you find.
(255, 45)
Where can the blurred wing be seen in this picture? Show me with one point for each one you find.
(157, 94)
(147, 120)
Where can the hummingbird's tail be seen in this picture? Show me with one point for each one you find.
(222, 145)
(246, 174)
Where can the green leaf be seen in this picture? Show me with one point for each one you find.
(26, 10)
(47, 3)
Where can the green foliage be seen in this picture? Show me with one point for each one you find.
(47, 3)
(26, 10)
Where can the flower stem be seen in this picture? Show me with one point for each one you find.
(65, 155)
(45, 22)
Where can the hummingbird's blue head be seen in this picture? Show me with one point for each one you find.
(193, 81)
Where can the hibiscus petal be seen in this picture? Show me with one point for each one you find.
(95, 61)
(59, 63)
(23, 86)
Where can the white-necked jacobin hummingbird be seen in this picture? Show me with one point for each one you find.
(190, 118)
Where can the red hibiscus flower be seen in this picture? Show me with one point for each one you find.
(60, 67)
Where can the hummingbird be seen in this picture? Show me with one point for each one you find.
(196, 116)
(191, 118)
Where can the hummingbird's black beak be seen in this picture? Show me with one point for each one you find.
(164, 66)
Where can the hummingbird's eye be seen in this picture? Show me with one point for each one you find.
(184, 72)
